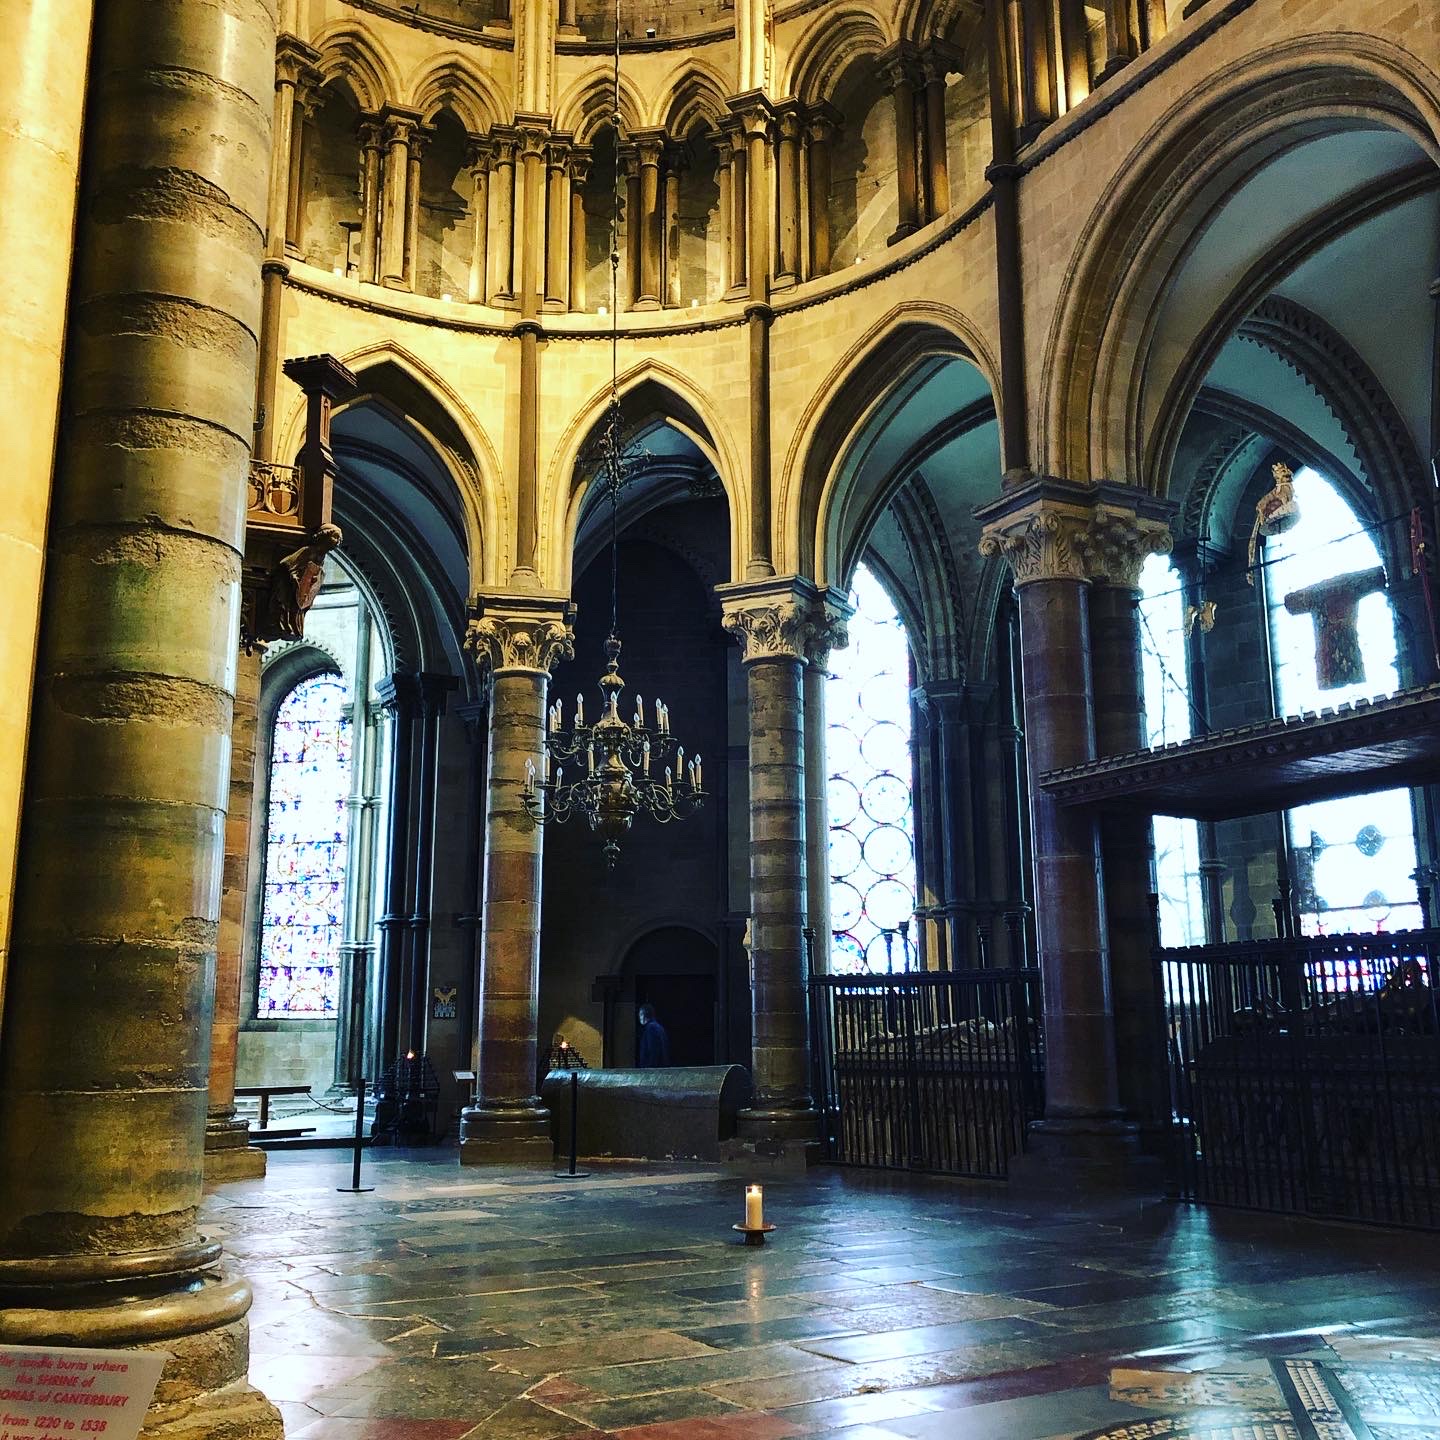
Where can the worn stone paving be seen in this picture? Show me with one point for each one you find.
(512, 1305)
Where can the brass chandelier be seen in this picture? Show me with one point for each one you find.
(620, 768)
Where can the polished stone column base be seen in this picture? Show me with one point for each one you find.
(1089, 1153)
(506, 1136)
(229, 1155)
(199, 1321)
(784, 1141)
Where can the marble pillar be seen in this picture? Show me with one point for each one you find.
(501, 286)
(738, 228)
(580, 158)
(48, 42)
(819, 643)
(634, 228)
(776, 622)
(479, 161)
(414, 155)
(307, 104)
(557, 226)
(228, 1152)
(675, 163)
(1055, 536)
(105, 1047)
(1125, 840)
(399, 694)
(936, 65)
(520, 637)
(649, 148)
(723, 166)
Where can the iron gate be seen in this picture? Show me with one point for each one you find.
(1304, 1075)
(930, 1070)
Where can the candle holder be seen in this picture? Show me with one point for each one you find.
(754, 1234)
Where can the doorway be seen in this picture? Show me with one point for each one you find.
(676, 970)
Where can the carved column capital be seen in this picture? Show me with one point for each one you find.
(790, 118)
(371, 133)
(822, 122)
(581, 158)
(533, 135)
(479, 155)
(510, 631)
(503, 143)
(559, 150)
(900, 65)
(649, 146)
(1056, 530)
(788, 619)
(400, 125)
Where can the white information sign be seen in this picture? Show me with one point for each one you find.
(55, 1393)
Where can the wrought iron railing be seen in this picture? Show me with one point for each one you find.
(1304, 1075)
(930, 1070)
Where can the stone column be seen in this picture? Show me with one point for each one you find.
(228, 1152)
(937, 65)
(357, 948)
(739, 226)
(723, 159)
(1053, 534)
(520, 638)
(579, 172)
(1074, 51)
(675, 161)
(307, 103)
(774, 621)
(371, 150)
(822, 638)
(294, 67)
(944, 704)
(418, 140)
(105, 1045)
(758, 122)
(787, 167)
(567, 18)
(479, 160)
(1037, 72)
(400, 695)
(534, 139)
(433, 690)
(1119, 546)
(502, 203)
(1121, 45)
(557, 228)
(399, 127)
(822, 123)
(649, 147)
(902, 73)
(40, 115)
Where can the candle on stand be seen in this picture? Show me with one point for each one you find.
(639, 712)
(645, 757)
(699, 778)
(579, 711)
(754, 1211)
(669, 779)
(529, 777)
(680, 761)
(590, 752)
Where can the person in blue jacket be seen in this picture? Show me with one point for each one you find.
(654, 1042)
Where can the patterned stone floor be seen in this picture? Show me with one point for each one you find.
(512, 1305)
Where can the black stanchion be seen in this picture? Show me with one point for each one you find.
(572, 1173)
(355, 1187)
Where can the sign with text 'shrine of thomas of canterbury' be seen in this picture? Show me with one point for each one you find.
(55, 1393)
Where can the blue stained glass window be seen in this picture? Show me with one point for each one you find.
(868, 768)
(304, 900)
(1354, 857)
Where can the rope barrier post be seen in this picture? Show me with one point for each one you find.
(355, 1187)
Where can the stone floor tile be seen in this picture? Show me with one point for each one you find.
(632, 1411)
(851, 1410)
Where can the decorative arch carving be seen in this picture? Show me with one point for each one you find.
(834, 41)
(453, 82)
(695, 96)
(590, 103)
(347, 52)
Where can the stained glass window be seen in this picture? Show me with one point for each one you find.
(1354, 858)
(867, 757)
(304, 899)
(1168, 720)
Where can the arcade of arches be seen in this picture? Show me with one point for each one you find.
(1021, 390)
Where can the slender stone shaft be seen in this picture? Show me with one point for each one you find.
(521, 637)
(787, 269)
(822, 133)
(394, 198)
(228, 1153)
(102, 1128)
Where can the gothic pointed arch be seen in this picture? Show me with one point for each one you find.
(454, 83)
(357, 56)
(651, 394)
(835, 40)
(590, 103)
(1116, 390)
(693, 96)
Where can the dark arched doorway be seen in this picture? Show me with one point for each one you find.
(676, 970)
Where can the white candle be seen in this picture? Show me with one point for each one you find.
(579, 711)
(559, 714)
(529, 777)
(668, 780)
(754, 1212)
(699, 782)
(645, 757)
(680, 761)
(591, 754)
(559, 776)
(639, 712)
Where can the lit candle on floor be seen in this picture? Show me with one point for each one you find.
(754, 1213)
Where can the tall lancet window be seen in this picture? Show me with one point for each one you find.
(868, 767)
(304, 899)
(1332, 633)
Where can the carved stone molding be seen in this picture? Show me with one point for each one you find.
(521, 632)
(788, 619)
(1055, 530)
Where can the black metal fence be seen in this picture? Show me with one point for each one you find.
(937, 1071)
(1304, 1075)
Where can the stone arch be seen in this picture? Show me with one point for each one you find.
(590, 103)
(922, 21)
(1107, 409)
(694, 96)
(683, 405)
(403, 383)
(897, 352)
(833, 42)
(452, 82)
(350, 53)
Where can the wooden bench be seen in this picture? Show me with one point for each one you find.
(264, 1092)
